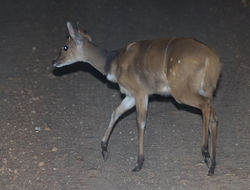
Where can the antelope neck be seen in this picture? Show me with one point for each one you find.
(102, 59)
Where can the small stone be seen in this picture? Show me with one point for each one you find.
(35, 157)
(33, 49)
(54, 149)
(47, 129)
(57, 138)
(33, 111)
(38, 129)
(229, 174)
(41, 164)
(5, 161)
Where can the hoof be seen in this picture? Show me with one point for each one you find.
(211, 171)
(206, 157)
(104, 151)
(211, 167)
(207, 161)
(137, 168)
(139, 164)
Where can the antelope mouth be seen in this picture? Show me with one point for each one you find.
(56, 65)
(61, 64)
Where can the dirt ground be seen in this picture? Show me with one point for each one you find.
(52, 121)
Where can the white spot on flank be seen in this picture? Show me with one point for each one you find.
(179, 61)
(171, 59)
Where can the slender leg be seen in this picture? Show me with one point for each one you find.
(127, 103)
(206, 118)
(210, 125)
(141, 108)
(213, 126)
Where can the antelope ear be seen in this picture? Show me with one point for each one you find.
(73, 34)
(82, 32)
(71, 30)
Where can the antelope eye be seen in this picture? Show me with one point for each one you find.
(65, 48)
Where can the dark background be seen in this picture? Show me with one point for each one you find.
(52, 122)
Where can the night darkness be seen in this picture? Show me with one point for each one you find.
(53, 120)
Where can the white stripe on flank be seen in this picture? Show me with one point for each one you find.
(201, 90)
(165, 53)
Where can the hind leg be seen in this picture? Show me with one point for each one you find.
(205, 133)
(213, 127)
(209, 126)
(141, 109)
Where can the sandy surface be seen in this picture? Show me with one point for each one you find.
(52, 122)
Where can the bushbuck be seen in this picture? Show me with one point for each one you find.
(184, 68)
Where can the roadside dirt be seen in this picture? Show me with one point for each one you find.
(52, 121)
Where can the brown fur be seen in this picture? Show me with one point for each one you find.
(142, 67)
(182, 67)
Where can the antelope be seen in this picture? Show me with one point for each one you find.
(184, 68)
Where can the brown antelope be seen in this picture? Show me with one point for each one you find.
(182, 67)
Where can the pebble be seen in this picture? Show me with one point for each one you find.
(33, 111)
(34, 49)
(54, 149)
(41, 164)
(47, 129)
(38, 129)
